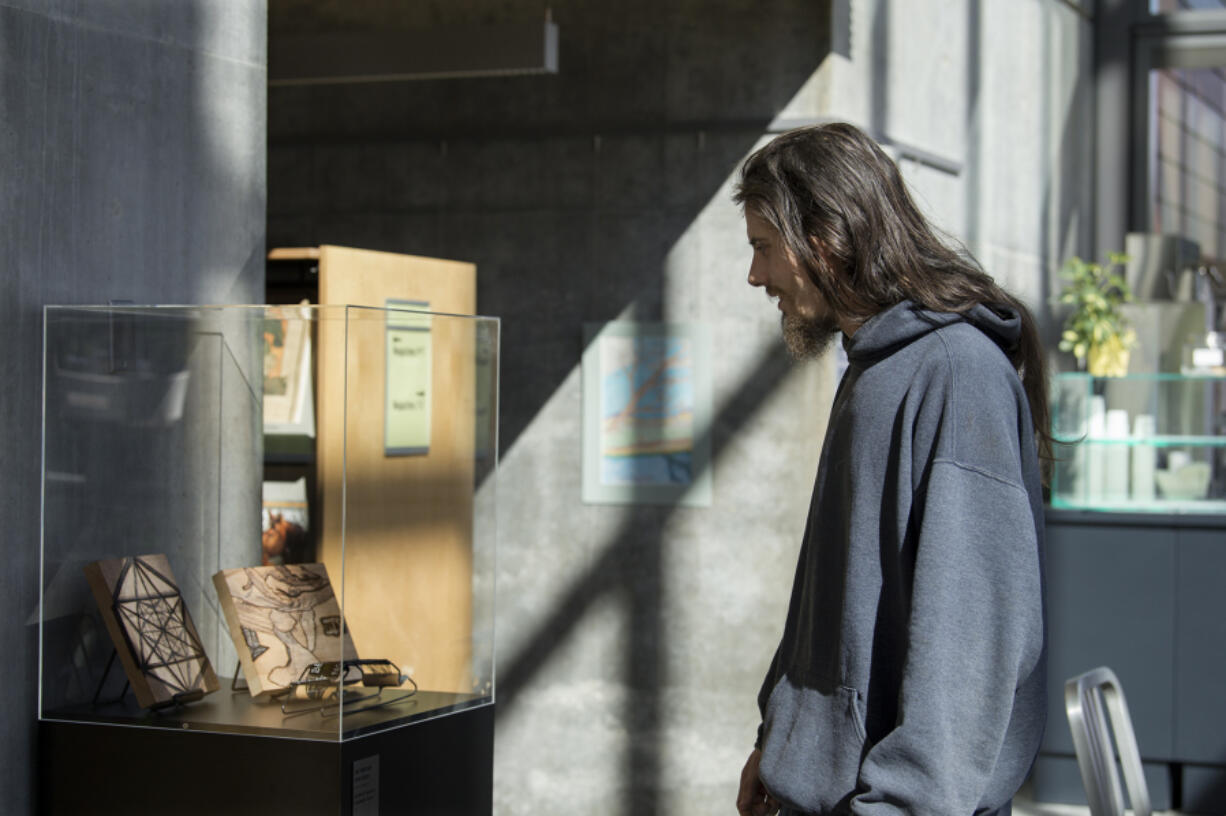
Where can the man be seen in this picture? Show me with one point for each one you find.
(910, 675)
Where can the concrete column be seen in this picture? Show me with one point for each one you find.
(132, 146)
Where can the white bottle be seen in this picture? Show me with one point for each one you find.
(1144, 458)
(1115, 455)
(1096, 463)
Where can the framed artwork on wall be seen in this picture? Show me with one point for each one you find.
(646, 413)
(289, 400)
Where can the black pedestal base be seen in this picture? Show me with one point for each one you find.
(439, 766)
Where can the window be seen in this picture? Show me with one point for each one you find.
(1178, 150)
(1186, 162)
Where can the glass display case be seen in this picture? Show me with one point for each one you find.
(1151, 443)
(180, 590)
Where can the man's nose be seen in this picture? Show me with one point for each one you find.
(756, 278)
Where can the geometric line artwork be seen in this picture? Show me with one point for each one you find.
(149, 606)
(151, 628)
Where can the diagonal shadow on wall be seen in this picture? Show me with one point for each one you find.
(610, 576)
(571, 194)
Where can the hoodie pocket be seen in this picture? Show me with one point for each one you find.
(812, 745)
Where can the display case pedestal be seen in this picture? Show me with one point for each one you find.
(440, 766)
(152, 561)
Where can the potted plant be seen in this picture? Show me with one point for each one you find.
(1097, 332)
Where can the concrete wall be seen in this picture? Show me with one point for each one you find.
(989, 109)
(632, 640)
(131, 167)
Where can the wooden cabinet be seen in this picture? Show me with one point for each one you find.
(403, 523)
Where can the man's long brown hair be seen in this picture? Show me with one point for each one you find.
(840, 205)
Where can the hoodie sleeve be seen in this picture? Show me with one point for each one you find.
(974, 636)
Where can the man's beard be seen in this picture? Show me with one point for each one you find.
(808, 339)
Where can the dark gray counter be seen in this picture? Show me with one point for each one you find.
(1142, 594)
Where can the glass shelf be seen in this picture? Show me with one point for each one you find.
(1157, 506)
(1144, 443)
(1151, 441)
(1153, 377)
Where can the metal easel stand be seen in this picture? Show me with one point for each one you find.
(351, 702)
(182, 698)
(238, 672)
(95, 702)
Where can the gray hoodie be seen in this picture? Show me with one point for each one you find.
(910, 675)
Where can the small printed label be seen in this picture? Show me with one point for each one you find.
(366, 786)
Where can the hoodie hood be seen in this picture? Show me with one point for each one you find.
(904, 323)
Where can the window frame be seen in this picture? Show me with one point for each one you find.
(1182, 39)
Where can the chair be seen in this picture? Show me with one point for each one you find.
(1089, 700)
